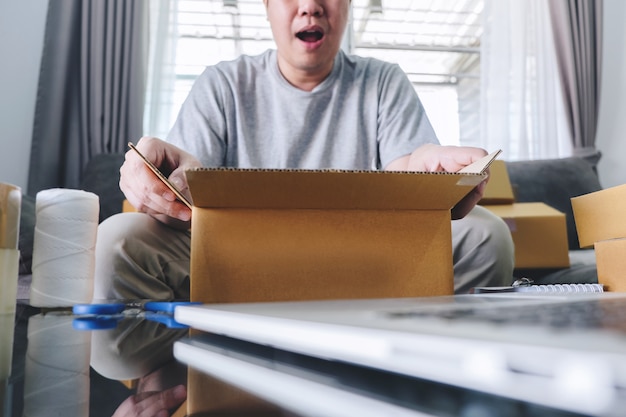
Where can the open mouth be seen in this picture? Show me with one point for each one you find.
(312, 35)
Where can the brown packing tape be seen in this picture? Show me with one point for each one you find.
(10, 208)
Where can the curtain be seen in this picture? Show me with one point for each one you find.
(522, 110)
(91, 87)
(577, 28)
(161, 76)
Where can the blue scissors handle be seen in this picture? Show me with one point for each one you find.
(166, 306)
(104, 309)
(99, 316)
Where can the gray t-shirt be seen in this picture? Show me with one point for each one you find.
(244, 114)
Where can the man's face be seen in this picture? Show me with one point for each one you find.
(307, 32)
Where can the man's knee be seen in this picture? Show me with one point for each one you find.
(483, 251)
(138, 257)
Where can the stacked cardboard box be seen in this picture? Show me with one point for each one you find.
(539, 231)
(600, 224)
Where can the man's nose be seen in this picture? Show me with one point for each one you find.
(310, 8)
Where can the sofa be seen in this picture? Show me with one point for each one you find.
(552, 181)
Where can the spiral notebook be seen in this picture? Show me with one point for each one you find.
(565, 351)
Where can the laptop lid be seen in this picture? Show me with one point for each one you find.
(562, 351)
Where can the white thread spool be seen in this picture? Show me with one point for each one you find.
(56, 381)
(64, 247)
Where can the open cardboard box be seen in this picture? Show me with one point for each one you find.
(270, 235)
(600, 224)
(539, 231)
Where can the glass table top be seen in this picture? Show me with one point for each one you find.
(52, 363)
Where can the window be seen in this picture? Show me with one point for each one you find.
(436, 43)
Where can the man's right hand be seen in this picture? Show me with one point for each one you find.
(146, 192)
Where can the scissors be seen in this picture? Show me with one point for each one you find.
(106, 315)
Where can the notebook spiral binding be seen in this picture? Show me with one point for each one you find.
(527, 285)
(562, 288)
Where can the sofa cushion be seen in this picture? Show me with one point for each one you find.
(27, 231)
(101, 177)
(554, 182)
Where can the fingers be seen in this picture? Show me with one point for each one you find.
(433, 158)
(143, 188)
(151, 404)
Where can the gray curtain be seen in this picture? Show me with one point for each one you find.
(578, 36)
(91, 87)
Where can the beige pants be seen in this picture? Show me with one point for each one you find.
(139, 258)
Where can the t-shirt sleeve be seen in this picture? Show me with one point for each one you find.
(403, 124)
(200, 127)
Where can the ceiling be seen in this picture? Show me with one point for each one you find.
(434, 41)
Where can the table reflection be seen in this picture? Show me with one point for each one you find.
(59, 370)
(6, 354)
(57, 366)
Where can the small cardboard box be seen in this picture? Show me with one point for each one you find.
(600, 215)
(600, 223)
(539, 233)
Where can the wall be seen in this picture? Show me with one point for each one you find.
(21, 42)
(611, 137)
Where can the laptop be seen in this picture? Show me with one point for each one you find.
(562, 352)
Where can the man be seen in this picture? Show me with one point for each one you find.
(305, 105)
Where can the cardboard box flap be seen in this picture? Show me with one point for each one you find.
(498, 189)
(328, 189)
